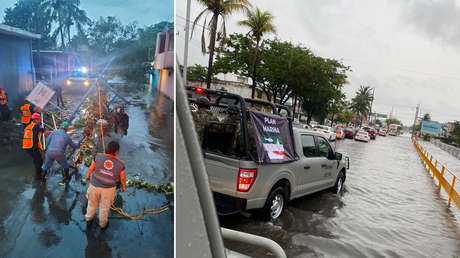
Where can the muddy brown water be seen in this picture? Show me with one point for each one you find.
(47, 220)
(389, 208)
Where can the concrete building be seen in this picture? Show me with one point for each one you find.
(163, 78)
(17, 72)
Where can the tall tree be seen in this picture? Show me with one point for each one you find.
(426, 117)
(74, 16)
(259, 23)
(361, 103)
(222, 8)
(32, 16)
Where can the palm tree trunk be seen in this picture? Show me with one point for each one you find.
(60, 31)
(295, 104)
(254, 70)
(212, 44)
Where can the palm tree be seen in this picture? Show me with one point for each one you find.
(361, 103)
(259, 23)
(74, 16)
(66, 13)
(222, 8)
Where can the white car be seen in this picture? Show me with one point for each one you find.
(327, 131)
(383, 132)
(362, 136)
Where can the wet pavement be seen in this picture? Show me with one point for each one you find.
(389, 208)
(49, 219)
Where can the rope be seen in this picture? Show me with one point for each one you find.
(141, 214)
(100, 118)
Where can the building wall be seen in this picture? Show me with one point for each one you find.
(164, 63)
(16, 67)
(166, 83)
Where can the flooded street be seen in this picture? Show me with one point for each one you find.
(49, 219)
(389, 208)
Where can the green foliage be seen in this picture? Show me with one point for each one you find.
(218, 9)
(197, 73)
(426, 117)
(361, 103)
(392, 121)
(32, 16)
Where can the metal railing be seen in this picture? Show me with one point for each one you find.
(446, 178)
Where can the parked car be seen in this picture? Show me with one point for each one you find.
(349, 133)
(383, 132)
(362, 136)
(239, 183)
(327, 131)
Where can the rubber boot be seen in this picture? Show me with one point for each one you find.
(44, 173)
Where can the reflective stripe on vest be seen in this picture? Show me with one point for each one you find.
(28, 140)
(26, 115)
(3, 97)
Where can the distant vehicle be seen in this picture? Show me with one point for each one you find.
(301, 125)
(393, 130)
(79, 79)
(362, 136)
(383, 132)
(327, 131)
(372, 133)
(349, 133)
(340, 133)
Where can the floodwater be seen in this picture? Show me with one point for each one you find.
(47, 220)
(389, 208)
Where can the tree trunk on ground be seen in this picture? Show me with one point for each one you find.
(254, 70)
(212, 44)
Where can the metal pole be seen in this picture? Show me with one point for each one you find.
(187, 28)
(415, 120)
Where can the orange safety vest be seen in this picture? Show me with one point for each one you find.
(26, 114)
(3, 97)
(28, 140)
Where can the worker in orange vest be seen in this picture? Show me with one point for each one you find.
(32, 143)
(5, 112)
(26, 112)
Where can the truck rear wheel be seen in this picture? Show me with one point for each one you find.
(276, 204)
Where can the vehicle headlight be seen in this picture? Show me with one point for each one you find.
(68, 82)
(86, 83)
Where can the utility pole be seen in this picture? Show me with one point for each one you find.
(415, 120)
(187, 28)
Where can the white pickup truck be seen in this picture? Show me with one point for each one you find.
(240, 183)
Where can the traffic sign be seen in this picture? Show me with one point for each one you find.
(40, 95)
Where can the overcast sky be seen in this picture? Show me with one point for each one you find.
(146, 12)
(407, 50)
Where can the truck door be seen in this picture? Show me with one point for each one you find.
(328, 165)
(310, 172)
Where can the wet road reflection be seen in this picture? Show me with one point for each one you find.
(49, 219)
(389, 208)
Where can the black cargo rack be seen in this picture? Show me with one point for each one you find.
(223, 99)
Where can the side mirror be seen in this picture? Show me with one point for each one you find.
(338, 156)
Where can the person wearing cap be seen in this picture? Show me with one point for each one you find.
(106, 170)
(57, 143)
(32, 144)
(4, 104)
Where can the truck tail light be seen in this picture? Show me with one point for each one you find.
(246, 178)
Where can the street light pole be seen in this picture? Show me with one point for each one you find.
(187, 28)
(415, 120)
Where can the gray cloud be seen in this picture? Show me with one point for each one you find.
(438, 20)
